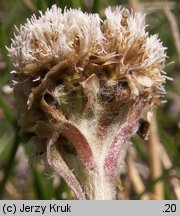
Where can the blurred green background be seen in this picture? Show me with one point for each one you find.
(23, 176)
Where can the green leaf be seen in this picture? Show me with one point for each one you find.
(168, 193)
(7, 112)
(63, 188)
(152, 183)
(10, 165)
(42, 5)
(77, 3)
(39, 185)
(64, 3)
(96, 6)
(42, 187)
(138, 145)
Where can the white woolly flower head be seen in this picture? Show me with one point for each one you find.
(140, 57)
(71, 35)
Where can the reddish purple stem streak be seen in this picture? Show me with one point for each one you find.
(126, 130)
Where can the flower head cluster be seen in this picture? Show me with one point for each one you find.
(82, 39)
(82, 86)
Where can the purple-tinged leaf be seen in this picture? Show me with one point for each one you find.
(60, 167)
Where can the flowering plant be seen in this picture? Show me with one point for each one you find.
(83, 87)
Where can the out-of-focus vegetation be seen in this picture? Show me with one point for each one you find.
(153, 167)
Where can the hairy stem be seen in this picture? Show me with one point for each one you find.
(99, 186)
